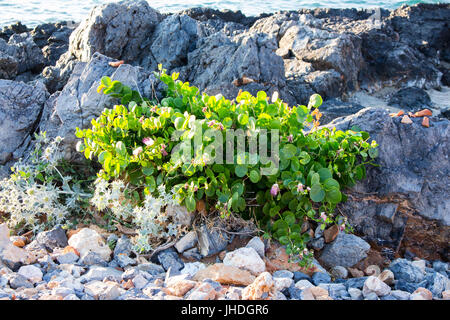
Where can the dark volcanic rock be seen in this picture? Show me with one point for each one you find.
(335, 108)
(8, 31)
(413, 163)
(411, 99)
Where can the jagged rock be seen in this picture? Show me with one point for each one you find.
(8, 31)
(23, 49)
(335, 108)
(117, 30)
(411, 99)
(405, 270)
(32, 273)
(260, 288)
(169, 259)
(20, 107)
(257, 244)
(103, 290)
(100, 273)
(405, 172)
(211, 241)
(8, 66)
(373, 284)
(346, 251)
(219, 63)
(186, 242)
(55, 238)
(79, 101)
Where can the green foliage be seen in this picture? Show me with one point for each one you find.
(132, 141)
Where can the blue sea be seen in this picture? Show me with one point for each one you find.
(34, 12)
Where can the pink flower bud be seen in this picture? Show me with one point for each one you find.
(290, 138)
(274, 190)
(137, 151)
(300, 187)
(148, 141)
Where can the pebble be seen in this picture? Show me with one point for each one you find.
(31, 272)
(320, 277)
(339, 272)
(283, 274)
(301, 276)
(421, 294)
(355, 294)
(373, 284)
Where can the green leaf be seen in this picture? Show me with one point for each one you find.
(324, 174)
(243, 119)
(315, 101)
(190, 202)
(240, 170)
(333, 196)
(317, 194)
(255, 176)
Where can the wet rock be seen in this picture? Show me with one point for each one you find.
(411, 99)
(245, 258)
(346, 251)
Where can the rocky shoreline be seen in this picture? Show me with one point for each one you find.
(86, 266)
(365, 64)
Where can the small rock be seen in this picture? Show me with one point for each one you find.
(68, 258)
(405, 270)
(192, 254)
(356, 282)
(339, 272)
(102, 290)
(93, 258)
(282, 283)
(317, 244)
(437, 283)
(446, 295)
(257, 244)
(260, 288)
(400, 295)
(355, 272)
(283, 274)
(246, 258)
(124, 261)
(151, 268)
(17, 281)
(204, 292)
(355, 294)
(373, 284)
(100, 273)
(188, 241)
(123, 246)
(440, 266)
(303, 284)
(421, 294)
(225, 274)
(346, 251)
(371, 296)
(89, 240)
(372, 270)
(320, 277)
(211, 241)
(139, 282)
(301, 276)
(169, 259)
(32, 273)
(331, 233)
(55, 238)
(387, 277)
(192, 268)
(179, 286)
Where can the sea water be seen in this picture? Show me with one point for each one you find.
(34, 12)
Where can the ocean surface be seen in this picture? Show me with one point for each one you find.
(34, 12)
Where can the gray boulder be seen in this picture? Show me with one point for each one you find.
(346, 250)
(20, 107)
(79, 102)
(406, 271)
(117, 30)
